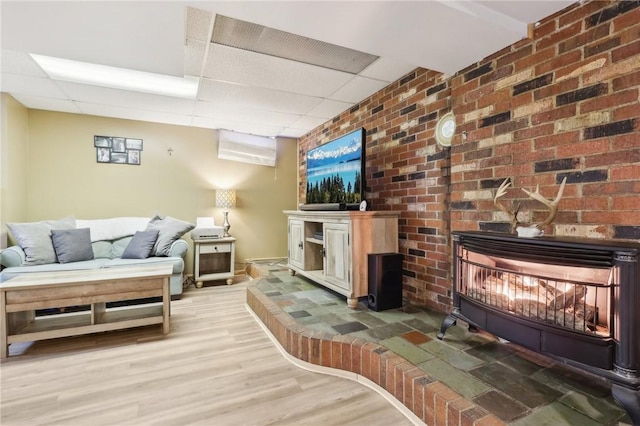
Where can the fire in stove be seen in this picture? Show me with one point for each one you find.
(569, 297)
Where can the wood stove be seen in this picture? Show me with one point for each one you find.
(577, 300)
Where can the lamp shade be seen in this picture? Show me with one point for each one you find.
(225, 198)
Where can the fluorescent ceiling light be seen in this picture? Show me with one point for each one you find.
(117, 78)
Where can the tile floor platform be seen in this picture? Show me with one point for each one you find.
(467, 378)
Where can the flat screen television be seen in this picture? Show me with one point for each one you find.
(335, 171)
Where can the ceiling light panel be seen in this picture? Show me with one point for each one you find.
(260, 39)
(239, 66)
(117, 78)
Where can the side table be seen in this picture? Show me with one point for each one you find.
(214, 259)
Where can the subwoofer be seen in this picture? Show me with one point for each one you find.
(385, 281)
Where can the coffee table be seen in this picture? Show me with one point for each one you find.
(22, 295)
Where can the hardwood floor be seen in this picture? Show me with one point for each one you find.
(216, 367)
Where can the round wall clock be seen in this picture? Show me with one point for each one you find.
(445, 129)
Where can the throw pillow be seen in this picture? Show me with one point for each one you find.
(141, 245)
(169, 230)
(72, 245)
(35, 239)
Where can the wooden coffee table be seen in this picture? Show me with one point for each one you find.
(22, 295)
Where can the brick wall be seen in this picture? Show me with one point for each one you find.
(563, 104)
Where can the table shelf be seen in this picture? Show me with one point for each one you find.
(78, 323)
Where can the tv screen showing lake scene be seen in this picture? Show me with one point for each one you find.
(334, 170)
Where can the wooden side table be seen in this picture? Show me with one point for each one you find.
(214, 259)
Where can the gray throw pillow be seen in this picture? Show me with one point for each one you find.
(141, 245)
(72, 245)
(35, 239)
(169, 230)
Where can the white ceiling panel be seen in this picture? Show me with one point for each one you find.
(357, 89)
(241, 125)
(239, 66)
(144, 36)
(48, 104)
(133, 114)
(133, 100)
(524, 10)
(43, 87)
(329, 108)
(224, 111)
(254, 92)
(387, 69)
(292, 133)
(308, 122)
(198, 24)
(238, 95)
(194, 52)
(20, 63)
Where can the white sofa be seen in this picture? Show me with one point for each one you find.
(109, 239)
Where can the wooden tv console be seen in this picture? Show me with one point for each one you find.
(331, 247)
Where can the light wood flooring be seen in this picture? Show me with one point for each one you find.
(216, 367)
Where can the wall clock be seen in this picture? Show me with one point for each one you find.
(445, 129)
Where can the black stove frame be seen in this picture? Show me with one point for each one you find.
(615, 357)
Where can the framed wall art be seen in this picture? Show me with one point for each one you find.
(118, 150)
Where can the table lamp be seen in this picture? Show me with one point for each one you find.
(225, 199)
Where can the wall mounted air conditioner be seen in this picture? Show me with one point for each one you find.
(246, 148)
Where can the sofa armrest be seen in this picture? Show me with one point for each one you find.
(12, 256)
(178, 248)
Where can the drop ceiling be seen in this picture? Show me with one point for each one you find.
(288, 78)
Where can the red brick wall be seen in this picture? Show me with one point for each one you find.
(563, 104)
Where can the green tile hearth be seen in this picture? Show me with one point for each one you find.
(458, 380)
(517, 386)
(502, 406)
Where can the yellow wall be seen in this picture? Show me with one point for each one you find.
(13, 163)
(65, 179)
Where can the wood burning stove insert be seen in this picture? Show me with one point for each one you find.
(577, 300)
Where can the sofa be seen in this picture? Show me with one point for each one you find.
(70, 244)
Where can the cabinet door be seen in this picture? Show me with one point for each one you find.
(296, 243)
(337, 255)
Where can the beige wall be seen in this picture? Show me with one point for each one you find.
(65, 179)
(13, 163)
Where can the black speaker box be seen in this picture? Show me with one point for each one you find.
(385, 281)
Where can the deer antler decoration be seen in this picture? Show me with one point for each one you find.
(513, 215)
(553, 205)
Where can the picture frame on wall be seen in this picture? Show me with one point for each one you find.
(134, 144)
(119, 157)
(103, 155)
(119, 145)
(118, 150)
(133, 157)
(102, 141)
